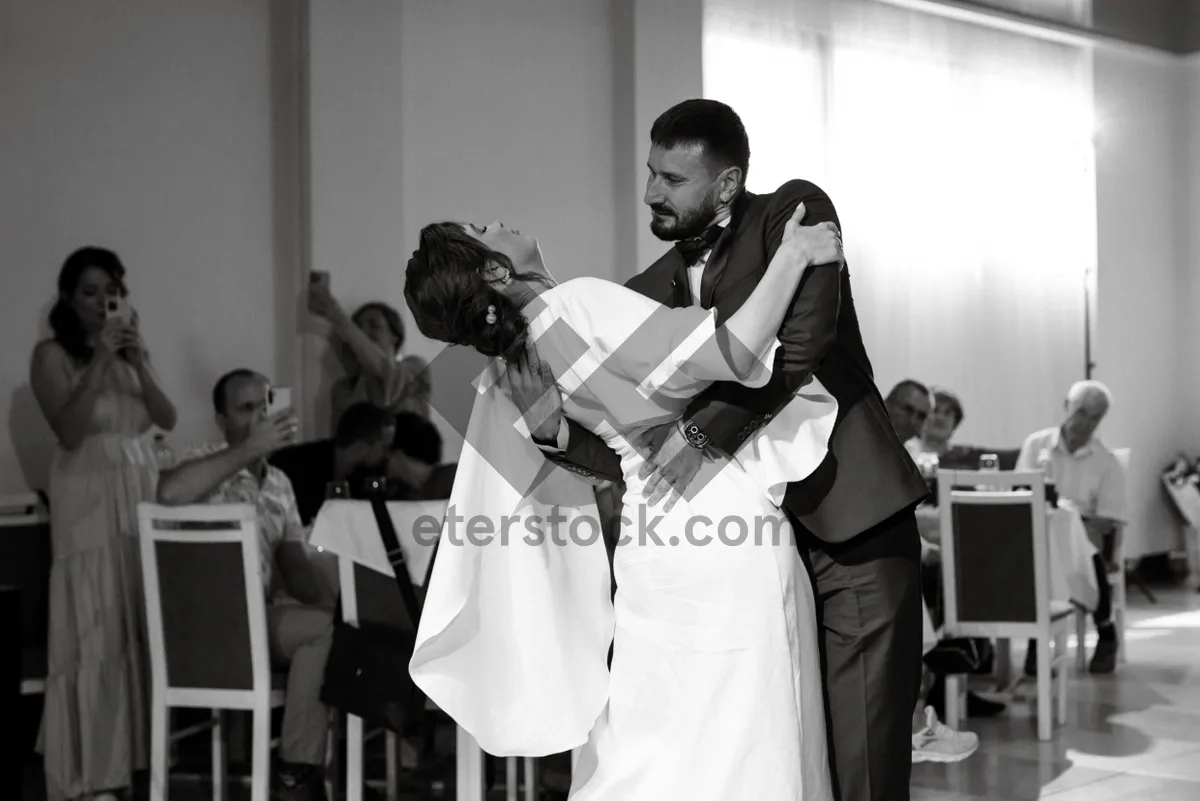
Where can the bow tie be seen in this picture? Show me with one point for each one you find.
(693, 249)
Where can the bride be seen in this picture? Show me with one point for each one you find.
(714, 690)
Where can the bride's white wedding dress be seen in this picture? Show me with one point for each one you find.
(715, 691)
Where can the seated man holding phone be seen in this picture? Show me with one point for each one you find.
(256, 423)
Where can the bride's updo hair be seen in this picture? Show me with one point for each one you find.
(449, 295)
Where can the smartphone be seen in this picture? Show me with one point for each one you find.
(117, 308)
(319, 278)
(280, 400)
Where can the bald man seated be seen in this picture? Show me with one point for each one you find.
(1087, 474)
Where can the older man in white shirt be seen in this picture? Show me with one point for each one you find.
(1087, 474)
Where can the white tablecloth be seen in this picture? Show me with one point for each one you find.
(347, 528)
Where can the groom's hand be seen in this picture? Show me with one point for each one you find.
(670, 466)
(532, 390)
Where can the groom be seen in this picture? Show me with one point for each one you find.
(854, 516)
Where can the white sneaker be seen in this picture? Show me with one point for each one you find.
(937, 742)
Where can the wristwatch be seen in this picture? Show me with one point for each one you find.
(694, 436)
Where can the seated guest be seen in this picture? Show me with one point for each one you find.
(1086, 473)
(945, 418)
(909, 404)
(359, 449)
(418, 438)
(300, 632)
(369, 348)
(416, 456)
(941, 424)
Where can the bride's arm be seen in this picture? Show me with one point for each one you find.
(747, 334)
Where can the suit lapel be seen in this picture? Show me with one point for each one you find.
(714, 268)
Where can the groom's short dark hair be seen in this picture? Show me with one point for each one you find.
(709, 123)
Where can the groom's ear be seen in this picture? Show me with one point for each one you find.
(730, 181)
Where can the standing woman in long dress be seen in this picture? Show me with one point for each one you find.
(96, 388)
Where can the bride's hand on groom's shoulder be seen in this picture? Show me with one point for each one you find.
(812, 244)
(530, 386)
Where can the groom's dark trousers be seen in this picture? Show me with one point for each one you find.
(853, 516)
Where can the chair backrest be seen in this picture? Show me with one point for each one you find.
(205, 605)
(995, 555)
(370, 597)
(418, 529)
(440, 482)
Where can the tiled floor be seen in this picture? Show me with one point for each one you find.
(1131, 735)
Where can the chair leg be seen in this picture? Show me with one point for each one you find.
(160, 773)
(532, 782)
(260, 747)
(1002, 663)
(1080, 640)
(354, 758)
(953, 708)
(1044, 688)
(512, 778)
(220, 762)
(333, 758)
(392, 743)
(1060, 647)
(470, 771)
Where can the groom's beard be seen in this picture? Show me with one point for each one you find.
(687, 225)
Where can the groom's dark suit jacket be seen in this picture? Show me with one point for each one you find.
(867, 476)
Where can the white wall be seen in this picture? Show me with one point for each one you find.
(468, 110)
(1141, 195)
(668, 58)
(144, 127)
(1189, 223)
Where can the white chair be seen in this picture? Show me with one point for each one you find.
(207, 624)
(351, 577)
(369, 596)
(996, 577)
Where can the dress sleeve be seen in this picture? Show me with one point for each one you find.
(518, 616)
(667, 351)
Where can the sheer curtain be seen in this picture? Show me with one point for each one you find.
(961, 163)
